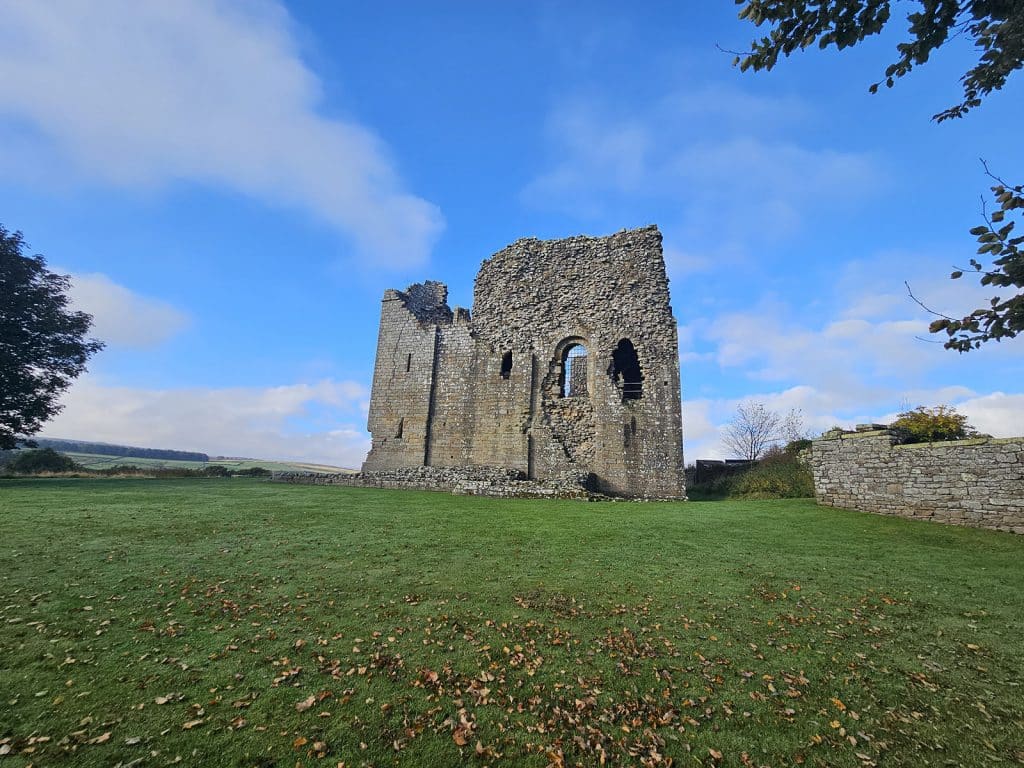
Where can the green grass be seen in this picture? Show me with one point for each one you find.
(422, 625)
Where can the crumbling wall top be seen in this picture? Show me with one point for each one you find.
(533, 289)
(426, 301)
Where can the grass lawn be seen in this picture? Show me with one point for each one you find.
(240, 623)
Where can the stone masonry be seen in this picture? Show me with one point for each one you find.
(508, 387)
(976, 482)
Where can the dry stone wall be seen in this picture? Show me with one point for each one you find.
(464, 481)
(977, 482)
(487, 388)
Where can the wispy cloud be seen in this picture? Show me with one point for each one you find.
(147, 93)
(748, 183)
(860, 355)
(123, 317)
(284, 422)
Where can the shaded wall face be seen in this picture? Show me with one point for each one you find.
(403, 378)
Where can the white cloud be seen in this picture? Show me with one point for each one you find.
(319, 422)
(122, 317)
(860, 354)
(997, 414)
(147, 93)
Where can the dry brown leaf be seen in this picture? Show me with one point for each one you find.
(101, 739)
(305, 704)
(191, 724)
(300, 742)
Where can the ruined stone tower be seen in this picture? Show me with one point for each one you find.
(568, 363)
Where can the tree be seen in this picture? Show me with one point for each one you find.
(1003, 318)
(997, 29)
(43, 460)
(995, 26)
(43, 344)
(755, 428)
(929, 425)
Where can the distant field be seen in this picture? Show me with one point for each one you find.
(96, 461)
(245, 623)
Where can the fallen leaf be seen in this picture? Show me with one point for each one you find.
(300, 742)
(191, 724)
(305, 704)
(101, 739)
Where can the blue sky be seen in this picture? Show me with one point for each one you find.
(233, 186)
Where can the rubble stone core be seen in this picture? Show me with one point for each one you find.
(569, 363)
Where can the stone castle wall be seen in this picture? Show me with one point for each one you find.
(978, 482)
(452, 389)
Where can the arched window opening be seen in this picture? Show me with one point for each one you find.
(626, 371)
(573, 377)
(506, 365)
(401, 428)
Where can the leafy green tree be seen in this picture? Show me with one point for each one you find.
(930, 425)
(43, 344)
(996, 28)
(1003, 318)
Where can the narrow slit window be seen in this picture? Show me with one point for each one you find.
(401, 428)
(506, 365)
(408, 362)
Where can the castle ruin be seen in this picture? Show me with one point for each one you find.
(568, 365)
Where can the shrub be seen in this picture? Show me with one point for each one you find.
(929, 425)
(719, 487)
(252, 472)
(794, 447)
(780, 475)
(42, 460)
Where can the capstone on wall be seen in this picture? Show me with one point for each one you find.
(569, 362)
(978, 482)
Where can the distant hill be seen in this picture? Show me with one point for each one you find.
(106, 449)
(106, 455)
